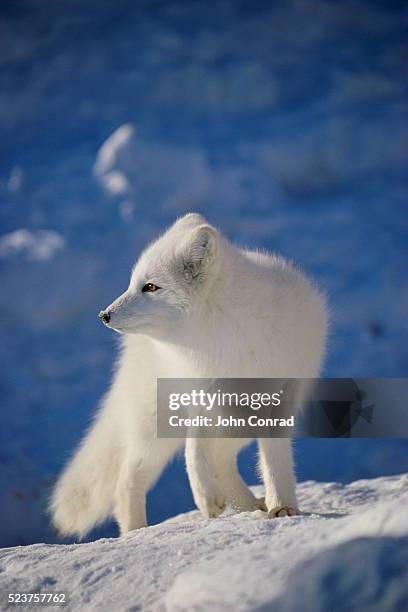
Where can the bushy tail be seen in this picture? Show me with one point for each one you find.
(84, 494)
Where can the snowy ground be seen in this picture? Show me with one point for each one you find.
(283, 122)
(348, 551)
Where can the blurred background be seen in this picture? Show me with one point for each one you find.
(284, 123)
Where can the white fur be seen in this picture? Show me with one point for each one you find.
(220, 312)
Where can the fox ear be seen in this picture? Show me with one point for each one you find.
(189, 221)
(199, 250)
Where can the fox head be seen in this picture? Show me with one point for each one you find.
(169, 280)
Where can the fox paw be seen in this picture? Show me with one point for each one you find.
(211, 507)
(279, 511)
(261, 504)
(246, 503)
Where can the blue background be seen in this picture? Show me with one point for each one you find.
(284, 123)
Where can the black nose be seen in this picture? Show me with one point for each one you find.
(104, 316)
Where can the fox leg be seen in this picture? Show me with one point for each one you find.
(214, 477)
(138, 473)
(237, 493)
(204, 480)
(276, 463)
(130, 508)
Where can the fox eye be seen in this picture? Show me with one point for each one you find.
(150, 288)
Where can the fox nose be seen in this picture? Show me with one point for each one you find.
(104, 316)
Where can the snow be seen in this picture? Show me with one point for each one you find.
(283, 123)
(348, 550)
(114, 182)
(37, 245)
(150, 173)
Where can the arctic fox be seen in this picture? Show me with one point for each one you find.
(196, 306)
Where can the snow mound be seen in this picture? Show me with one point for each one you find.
(147, 173)
(349, 550)
(330, 578)
(109, 155)
(39, 245)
